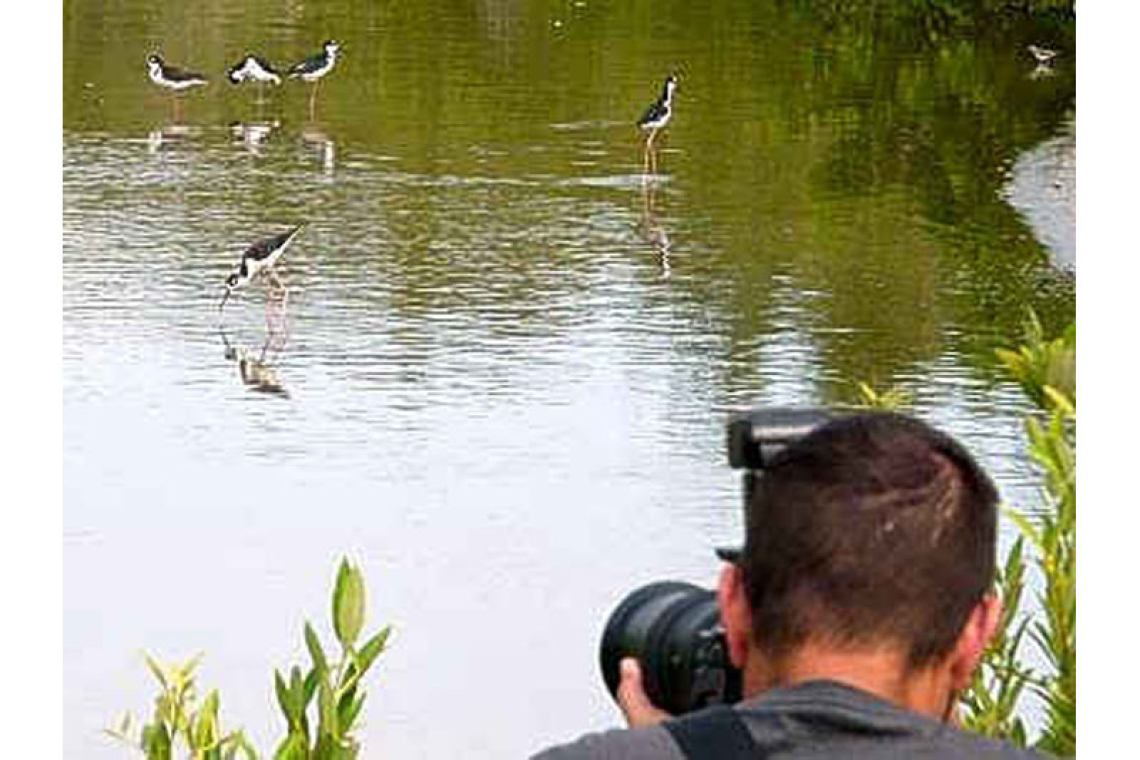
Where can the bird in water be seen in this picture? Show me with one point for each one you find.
(656, 117)
(257, 70)
(314, 67)
(1043, 56)
(254, 69)
(259, 259)
(172, 77)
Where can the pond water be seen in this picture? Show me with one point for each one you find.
(502, 374)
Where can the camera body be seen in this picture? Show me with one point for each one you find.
(673, 628)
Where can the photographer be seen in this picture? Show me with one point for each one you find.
(858, 609)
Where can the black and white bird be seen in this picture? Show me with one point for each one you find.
(254, 69)
(656, 117)
(314, 67)
(259, 258)
(172, 77)
(1043, 56)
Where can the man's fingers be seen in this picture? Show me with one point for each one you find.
(632, 699)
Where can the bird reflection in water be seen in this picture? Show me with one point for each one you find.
(255, 368)
(253, 134)
(322, 144)
(651, 230)
(170, 133)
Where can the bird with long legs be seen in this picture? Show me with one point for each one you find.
(258, 260)
(173, 78)
(313, 68)
(654, 120)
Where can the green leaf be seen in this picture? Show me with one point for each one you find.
(235, 743)
(206, 730)
(293, 748)
(158, 670)
(327, 707)
(156, 742)
(313, 678)
(296, 691)
(284, 698)
(372, 649)
(349, 709)
(348, 604)
(314, 646)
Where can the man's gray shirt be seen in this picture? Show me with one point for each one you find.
(816, 720)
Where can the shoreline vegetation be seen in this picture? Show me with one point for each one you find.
(1006, 684)
(1007, 689)
(181, 719)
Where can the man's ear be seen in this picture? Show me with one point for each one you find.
(735, 614)
(976, 635)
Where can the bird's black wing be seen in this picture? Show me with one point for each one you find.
(263, 248)
(653, 113)
(174, 74)
(312, 63)
(265, 64)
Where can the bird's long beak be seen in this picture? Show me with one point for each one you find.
(225, 297)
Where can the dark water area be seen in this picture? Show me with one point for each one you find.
(501, 379)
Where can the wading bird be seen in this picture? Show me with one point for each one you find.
(259, 258)
(313, 68)
(1043, 56)
(254, 69)
(655, 119)
(172, 77)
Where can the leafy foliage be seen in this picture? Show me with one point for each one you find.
(179, 717)
(180, 720)
(1044, 367)
(1046, 371)
(891, 399)
(996, 702)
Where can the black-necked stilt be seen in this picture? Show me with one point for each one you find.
(314, 67)
(172, 77)
(656, 117)
(254, 69)
(258, 258)
(1043, 56)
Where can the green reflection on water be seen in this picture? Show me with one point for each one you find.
(847, 167)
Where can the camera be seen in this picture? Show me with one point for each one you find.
(672, 627)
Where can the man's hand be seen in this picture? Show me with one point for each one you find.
(631, 697)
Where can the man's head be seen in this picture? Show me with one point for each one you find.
(872, 533)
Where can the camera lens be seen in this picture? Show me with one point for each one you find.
(673, 629)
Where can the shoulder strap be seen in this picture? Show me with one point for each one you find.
(715, 733)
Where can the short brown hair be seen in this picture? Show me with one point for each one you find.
(873, 530)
